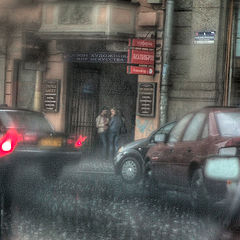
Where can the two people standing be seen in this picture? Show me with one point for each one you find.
(109, 130)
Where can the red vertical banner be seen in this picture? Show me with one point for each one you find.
(140, 70)
(141, 52)
(141, 43)
(141, 57)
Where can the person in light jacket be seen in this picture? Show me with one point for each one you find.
(102, 122)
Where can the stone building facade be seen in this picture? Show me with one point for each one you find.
(42, 42)
(52, 40)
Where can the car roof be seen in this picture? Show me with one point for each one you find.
(8, 109)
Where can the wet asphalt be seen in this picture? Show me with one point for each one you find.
(88, 201)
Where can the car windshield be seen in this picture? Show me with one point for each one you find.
(25, 120)
(229, 123)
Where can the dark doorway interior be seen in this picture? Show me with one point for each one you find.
(118, 89)
(83, 102)
(93, 86)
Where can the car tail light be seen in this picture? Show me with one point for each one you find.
(80, 141)
(8, 142)
(7, 146)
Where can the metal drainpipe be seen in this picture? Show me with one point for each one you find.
(167, 42)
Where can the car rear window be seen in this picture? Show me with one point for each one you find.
(25, 120)
(229, 124)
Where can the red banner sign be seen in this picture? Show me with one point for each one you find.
(140, 70)
(141, 43)
(141, 57)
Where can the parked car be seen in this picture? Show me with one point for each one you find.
(129, 161)
(27, 136)
(177, 160)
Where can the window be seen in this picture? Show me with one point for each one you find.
(167, 128)
(205, 131)
(194, 127)
(238, 35)
(177, 131)
(26, 120)
(229, 124)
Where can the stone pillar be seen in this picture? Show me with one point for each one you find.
(150, 24)
(37, 93)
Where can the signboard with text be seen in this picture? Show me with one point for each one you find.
(140, 57)
(146, 99)
(50, 98)
(207, 37)
(97, 57)
(140, 70)
(141, 43)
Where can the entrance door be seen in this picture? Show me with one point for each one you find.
(24, 80)
(83, 103)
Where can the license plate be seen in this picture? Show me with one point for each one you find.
(51, 142)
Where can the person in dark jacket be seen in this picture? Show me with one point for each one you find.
(115, 125)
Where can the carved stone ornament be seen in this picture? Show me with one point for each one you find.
(75, 14)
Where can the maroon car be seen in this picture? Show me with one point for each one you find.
(178, 158)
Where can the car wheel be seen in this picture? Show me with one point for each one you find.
(199, 194)
(130, 170)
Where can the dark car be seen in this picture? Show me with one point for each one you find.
(27, 136)
(178, 160)
(129, 161)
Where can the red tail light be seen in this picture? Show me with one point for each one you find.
(8, 142)
(80, 141)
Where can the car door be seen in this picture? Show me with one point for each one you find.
(189, 149)
(163, 154)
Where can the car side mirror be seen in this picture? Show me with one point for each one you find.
(222, 168)
(160, 137)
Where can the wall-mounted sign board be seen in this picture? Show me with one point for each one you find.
(140, 70)
(50, 95)
(141, 43)
(207, 37)
(97, 57)
(146, 99)
(142, 57)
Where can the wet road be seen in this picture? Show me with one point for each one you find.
(89, 202)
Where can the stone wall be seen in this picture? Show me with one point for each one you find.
(193, 78)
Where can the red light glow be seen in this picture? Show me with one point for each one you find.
(8, 142)
(80, 141)
(7, 146)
